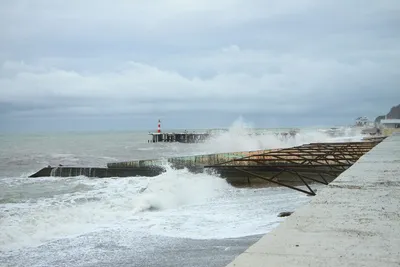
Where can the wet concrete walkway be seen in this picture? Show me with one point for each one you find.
(355, 221)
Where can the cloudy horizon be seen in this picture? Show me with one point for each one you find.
(115, 65)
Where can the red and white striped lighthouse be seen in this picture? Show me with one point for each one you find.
(159, 127)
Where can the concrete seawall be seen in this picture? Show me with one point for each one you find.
(187, 161)
(354, 221)
(69, 171)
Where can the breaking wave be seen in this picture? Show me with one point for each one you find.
(104, 203)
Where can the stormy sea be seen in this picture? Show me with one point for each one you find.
(175, 219)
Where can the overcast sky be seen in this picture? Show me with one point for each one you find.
(122, 64)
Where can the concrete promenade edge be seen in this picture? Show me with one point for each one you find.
(354, 221)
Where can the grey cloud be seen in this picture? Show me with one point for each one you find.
(295, 60)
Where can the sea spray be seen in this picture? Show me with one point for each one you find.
(242, 137)
(106, 203)
(175, 188)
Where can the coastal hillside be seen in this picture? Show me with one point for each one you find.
(394, 113)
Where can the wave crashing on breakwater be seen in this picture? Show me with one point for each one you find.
(176, 203)
(102, 203)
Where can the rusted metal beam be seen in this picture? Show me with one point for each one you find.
(321, 151)
(279, 164)
(298, 160)
(293, 170)
(270, 168)
(307, 177)
(310, 192)
(346, 143)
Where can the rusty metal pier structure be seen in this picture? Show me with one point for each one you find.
(296, 166)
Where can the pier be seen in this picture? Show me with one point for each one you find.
(353, 221)
(184, 137)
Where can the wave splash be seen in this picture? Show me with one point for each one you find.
(107, 202)
(241, 136)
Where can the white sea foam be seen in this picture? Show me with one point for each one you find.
(176, 204)
(103, 203)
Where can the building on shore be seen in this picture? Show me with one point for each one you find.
(389, 126)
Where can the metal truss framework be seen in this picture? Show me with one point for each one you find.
(314, 159)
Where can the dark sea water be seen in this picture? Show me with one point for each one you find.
(181, 219)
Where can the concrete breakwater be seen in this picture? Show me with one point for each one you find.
(97, 172)
(301, 165)
(190, 162)
(149, 167)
